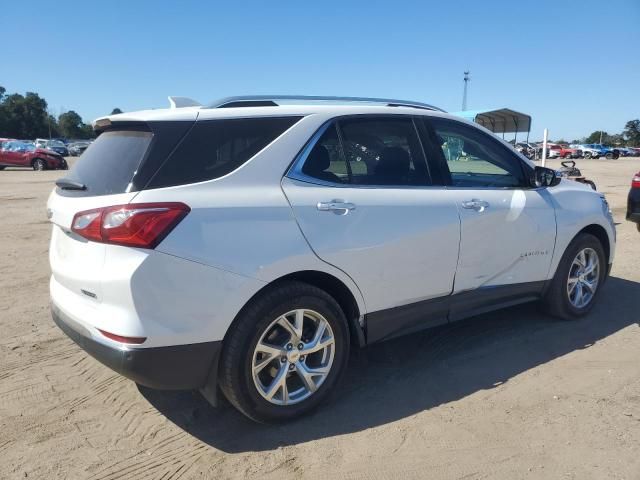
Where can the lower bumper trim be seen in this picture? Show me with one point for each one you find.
(179, 367)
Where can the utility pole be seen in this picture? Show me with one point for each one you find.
(464, 95)
(600, 137)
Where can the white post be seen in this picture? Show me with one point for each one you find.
(544, 145)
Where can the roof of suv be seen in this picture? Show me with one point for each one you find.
(233, 108)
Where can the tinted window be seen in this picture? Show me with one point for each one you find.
(474, 158)
(214, 148)
(108, 165)
(383, 151)
(325, 160)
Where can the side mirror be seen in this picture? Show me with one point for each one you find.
(544, 177)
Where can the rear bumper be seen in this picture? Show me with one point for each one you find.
(179, 367)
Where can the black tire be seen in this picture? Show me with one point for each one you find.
(2, 168)
(556, 300)
(235, 371)
(609, 156)
(587, 155)
(39, 164)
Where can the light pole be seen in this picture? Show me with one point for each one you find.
(464, 95)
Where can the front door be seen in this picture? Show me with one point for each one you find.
(508, 228)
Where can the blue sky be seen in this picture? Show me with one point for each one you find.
(573, 65)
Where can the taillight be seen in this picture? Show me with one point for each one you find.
(142, 225)
(635, 183)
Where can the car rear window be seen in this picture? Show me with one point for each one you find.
(134, 157)
(214, 148)
(108, 165)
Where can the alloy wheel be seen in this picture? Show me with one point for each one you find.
(293, 357)
(584, 275)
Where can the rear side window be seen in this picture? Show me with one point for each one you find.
(107, 166)
(214, 148)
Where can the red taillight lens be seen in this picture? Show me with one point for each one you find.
(635, 183)
(142, 225)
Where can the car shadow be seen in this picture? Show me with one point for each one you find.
(399, 378)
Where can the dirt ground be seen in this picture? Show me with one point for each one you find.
(509, 395)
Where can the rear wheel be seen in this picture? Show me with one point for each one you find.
(609, 156)
(285, 353)
(39, 165)
(2, 168)
(578, 278)
(587, 155)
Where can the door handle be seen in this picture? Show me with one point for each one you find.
(339, 207)
(475, 204)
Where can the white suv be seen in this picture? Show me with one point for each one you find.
(249, 245)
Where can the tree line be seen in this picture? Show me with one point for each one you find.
(629, 137)
(26, 117)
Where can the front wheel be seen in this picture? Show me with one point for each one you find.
(39, 165)
(587, 155)
(580, 273)
(285, 353)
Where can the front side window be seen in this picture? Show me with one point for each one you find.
(369, 151)
(474, 159)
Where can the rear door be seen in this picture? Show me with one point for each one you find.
(10, 156)
(508, 228)
(363, 197)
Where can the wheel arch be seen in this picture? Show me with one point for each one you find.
(600, 233)
(334, 287)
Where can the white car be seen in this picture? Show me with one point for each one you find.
(250, 244)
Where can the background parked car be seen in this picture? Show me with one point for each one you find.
(588, 151)
(553, 151)
(633, 201)
(625, 151)
(526, 149)
(567, 152)
(77, 148)
(607, 152)
(57, 146)
(23, 154)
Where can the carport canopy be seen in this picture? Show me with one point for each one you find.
(501, 120)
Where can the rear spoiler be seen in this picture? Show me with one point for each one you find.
(181, 102)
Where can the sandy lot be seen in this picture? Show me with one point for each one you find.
(509, 395)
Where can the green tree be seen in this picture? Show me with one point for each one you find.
(595, 137)
(71, 125)
(631, 133)
(116, 111)
(23, 116)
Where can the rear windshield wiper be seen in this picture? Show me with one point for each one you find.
(67, 184)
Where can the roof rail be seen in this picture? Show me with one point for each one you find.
(271, 101)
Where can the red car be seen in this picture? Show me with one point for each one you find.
(22, 154)
(567, 152)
